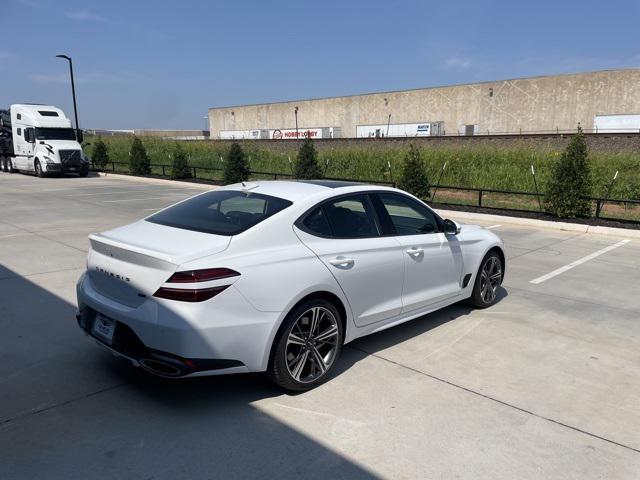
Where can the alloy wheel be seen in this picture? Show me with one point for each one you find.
(312, 344)
(490, 279)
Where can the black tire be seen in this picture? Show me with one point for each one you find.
(288, 354)
(84, 171)
(38, 169)
(488, 280)
(4, 164)
(10, 168)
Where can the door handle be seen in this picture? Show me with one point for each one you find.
(414, 251)
(342, 262)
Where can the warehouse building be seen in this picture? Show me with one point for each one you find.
(605, 101)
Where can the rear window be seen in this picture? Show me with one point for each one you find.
(224, 212)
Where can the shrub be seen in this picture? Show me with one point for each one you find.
(100, 156)
(180, 165)
(236, 167)
(570, 181)
(414, 177)
(307, 167)
(139, 163)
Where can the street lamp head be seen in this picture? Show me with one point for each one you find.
(63, 56)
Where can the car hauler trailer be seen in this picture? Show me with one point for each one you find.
(39, 139)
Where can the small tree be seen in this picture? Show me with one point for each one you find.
(236, 167)
(180, 165)
(307, 167)
(100, 156)
(139, 163)
(414, 177)
(571, 181)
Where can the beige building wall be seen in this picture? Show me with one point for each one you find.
(506, 106)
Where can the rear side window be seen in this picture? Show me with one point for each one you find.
(223, 212)
(316, 222)
(346, 217)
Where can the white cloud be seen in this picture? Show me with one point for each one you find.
(85, 15)
(458, 63)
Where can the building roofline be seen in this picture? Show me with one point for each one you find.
(485, 82)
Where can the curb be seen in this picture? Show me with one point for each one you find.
(158, 181)
(546, 224)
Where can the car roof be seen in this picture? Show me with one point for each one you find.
(299, 190)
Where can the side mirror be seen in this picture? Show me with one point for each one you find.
(451, 227)
(79, 136)
(29, 135)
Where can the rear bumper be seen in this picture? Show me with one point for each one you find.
(128, 345)
(222, 335)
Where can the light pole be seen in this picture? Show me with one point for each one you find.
(73, 92)
(295, 111)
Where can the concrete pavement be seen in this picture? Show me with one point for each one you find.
(545, 384)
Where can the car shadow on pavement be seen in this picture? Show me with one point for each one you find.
(69, 409)
(377, 342)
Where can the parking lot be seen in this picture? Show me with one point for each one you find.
(545, 384)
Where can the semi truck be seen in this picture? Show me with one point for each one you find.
(39, 139)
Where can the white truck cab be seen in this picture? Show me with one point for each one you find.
(40, 139)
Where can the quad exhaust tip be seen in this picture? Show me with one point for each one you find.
(160, 368)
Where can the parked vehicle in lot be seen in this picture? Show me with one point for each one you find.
(39, 139)
(277, 277)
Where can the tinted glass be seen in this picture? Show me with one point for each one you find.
(407, 216)
(55, 134)
(221, 213)
(351, 217)
(316, 222)
(47, 113)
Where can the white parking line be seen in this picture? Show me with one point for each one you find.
(560, 270)
(140, 199)
(127, 191)
(493, 226)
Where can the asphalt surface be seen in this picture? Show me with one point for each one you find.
(545, 384)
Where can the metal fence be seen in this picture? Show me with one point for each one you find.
(622, 210)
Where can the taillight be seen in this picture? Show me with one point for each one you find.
(205, 275)
(189, 294)
(195, 276)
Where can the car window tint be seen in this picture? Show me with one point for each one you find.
(407, 216)
(316, 222)
(351, 217)
(223, 212)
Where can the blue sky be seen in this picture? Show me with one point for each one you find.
(161, 64)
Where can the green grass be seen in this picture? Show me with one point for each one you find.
(475, 167)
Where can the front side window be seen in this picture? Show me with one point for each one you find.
(55, 134)
(351, 217)
(223, 212)
(406, 216)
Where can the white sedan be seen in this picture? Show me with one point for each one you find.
(277, 277)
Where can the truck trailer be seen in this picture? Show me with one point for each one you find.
(39, 139)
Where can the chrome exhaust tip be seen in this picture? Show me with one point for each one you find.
(160, 368)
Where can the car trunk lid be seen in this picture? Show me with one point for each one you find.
(129, 264)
